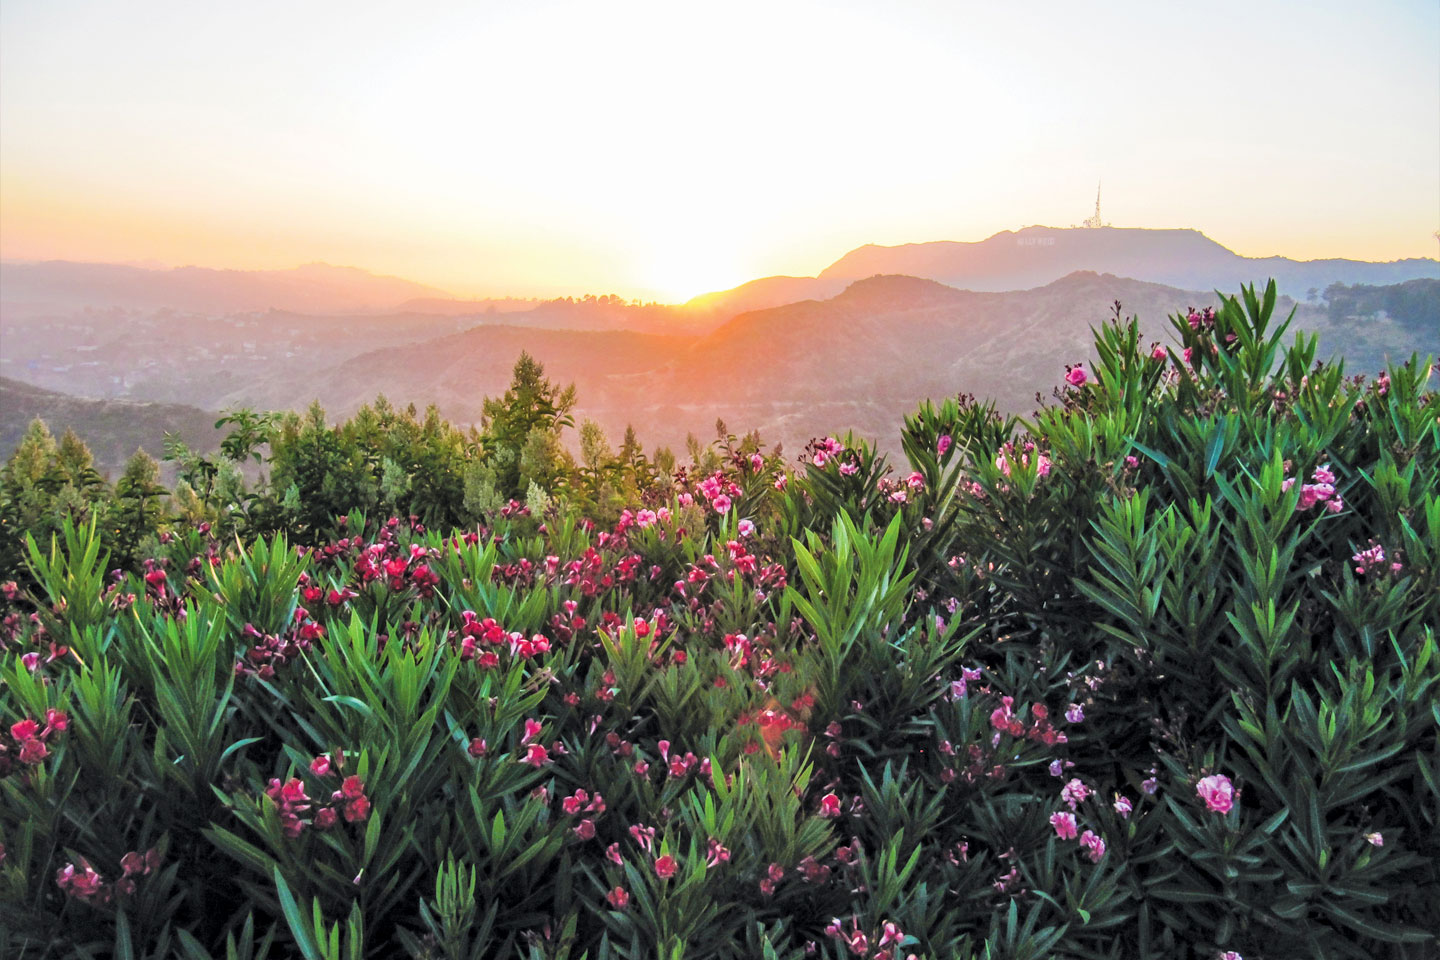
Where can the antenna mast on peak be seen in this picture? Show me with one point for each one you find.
(1095, 221)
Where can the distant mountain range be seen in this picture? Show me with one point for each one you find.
(1178, 258)
(1010, 260)
(62, 285)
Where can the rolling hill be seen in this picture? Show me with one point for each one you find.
(113, 429)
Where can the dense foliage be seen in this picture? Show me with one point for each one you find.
(1152, 674)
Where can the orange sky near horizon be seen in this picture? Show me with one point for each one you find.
(660, 150)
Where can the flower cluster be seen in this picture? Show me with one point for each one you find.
(1372, 560)
(887, 940)
(30, 740)
(292, 803)
(268, 652)
(1320, 489)
(85, 883)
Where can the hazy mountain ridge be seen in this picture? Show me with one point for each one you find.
(315, 287)
(1179, 258)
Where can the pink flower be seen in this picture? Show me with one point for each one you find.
(1218, 793)
(747, 528)
(320, 766)
(56, 721)
(1123, 806)
(1075, 376)
(1064, 824)
(532, 730)
(829, 806)
(1375, 839)
(1323, 474)
(25, 729)
(618, 898)
(943, 444)
(1094, 846)
(357, 810)
(33, 751)
(1075, 713)
(478, 747)
(1074, 793)
(665, 867)
(721, 504)
(1158, 353)
(585, 830)
(536, 755)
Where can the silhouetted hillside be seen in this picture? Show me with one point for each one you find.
(113, 429)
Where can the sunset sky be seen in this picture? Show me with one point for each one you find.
(664, 149)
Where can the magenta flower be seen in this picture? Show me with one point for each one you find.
(618, 898)
(536, 755)
(943, 444)
(1064, 824)
(33, 751)
(829, 806)
(1075, 713)
(665, 867)
(1123, 806)
(1075, 376)
(1074, 793)
(1094, 846)
(357, 810)
(721, 504)
(25, 729)
(1375, 839)
(1218, 793)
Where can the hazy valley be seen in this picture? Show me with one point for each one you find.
(792, 357)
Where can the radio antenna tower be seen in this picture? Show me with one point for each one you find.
(1095, 221)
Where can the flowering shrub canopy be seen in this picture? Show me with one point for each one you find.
(1150, 675)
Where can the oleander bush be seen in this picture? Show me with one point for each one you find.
(1152, 674)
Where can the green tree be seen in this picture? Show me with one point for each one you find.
(527, 420)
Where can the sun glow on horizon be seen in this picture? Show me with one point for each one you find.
(660, 151)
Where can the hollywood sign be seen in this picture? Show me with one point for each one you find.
(1035, 241)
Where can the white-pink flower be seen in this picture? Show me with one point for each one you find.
(1218, 793)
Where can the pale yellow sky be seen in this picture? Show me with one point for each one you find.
(664, 149)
